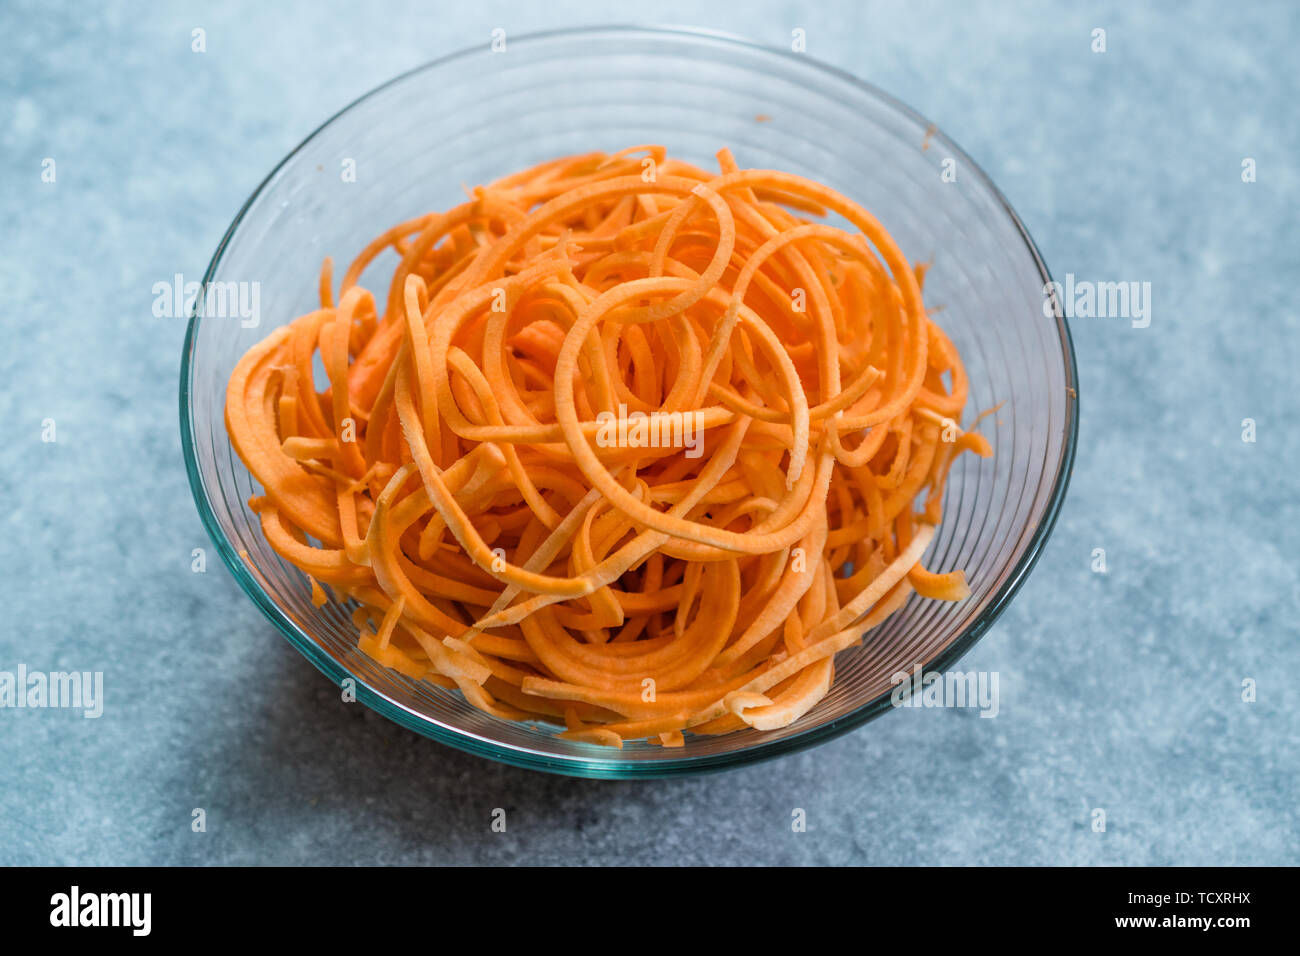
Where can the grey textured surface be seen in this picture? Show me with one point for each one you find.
(1120, 691)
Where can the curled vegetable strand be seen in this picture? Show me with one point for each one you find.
(638, 455)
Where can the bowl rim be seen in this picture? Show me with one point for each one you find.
(612, 767)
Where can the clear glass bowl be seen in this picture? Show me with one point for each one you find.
(477, 115)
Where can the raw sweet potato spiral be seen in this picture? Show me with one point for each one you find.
(630, 445)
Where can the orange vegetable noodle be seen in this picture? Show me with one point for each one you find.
(626, 446)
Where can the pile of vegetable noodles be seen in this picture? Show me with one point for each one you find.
(631, 445)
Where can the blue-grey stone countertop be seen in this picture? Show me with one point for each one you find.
(1121, 692)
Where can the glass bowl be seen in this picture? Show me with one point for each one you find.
(474, 116)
